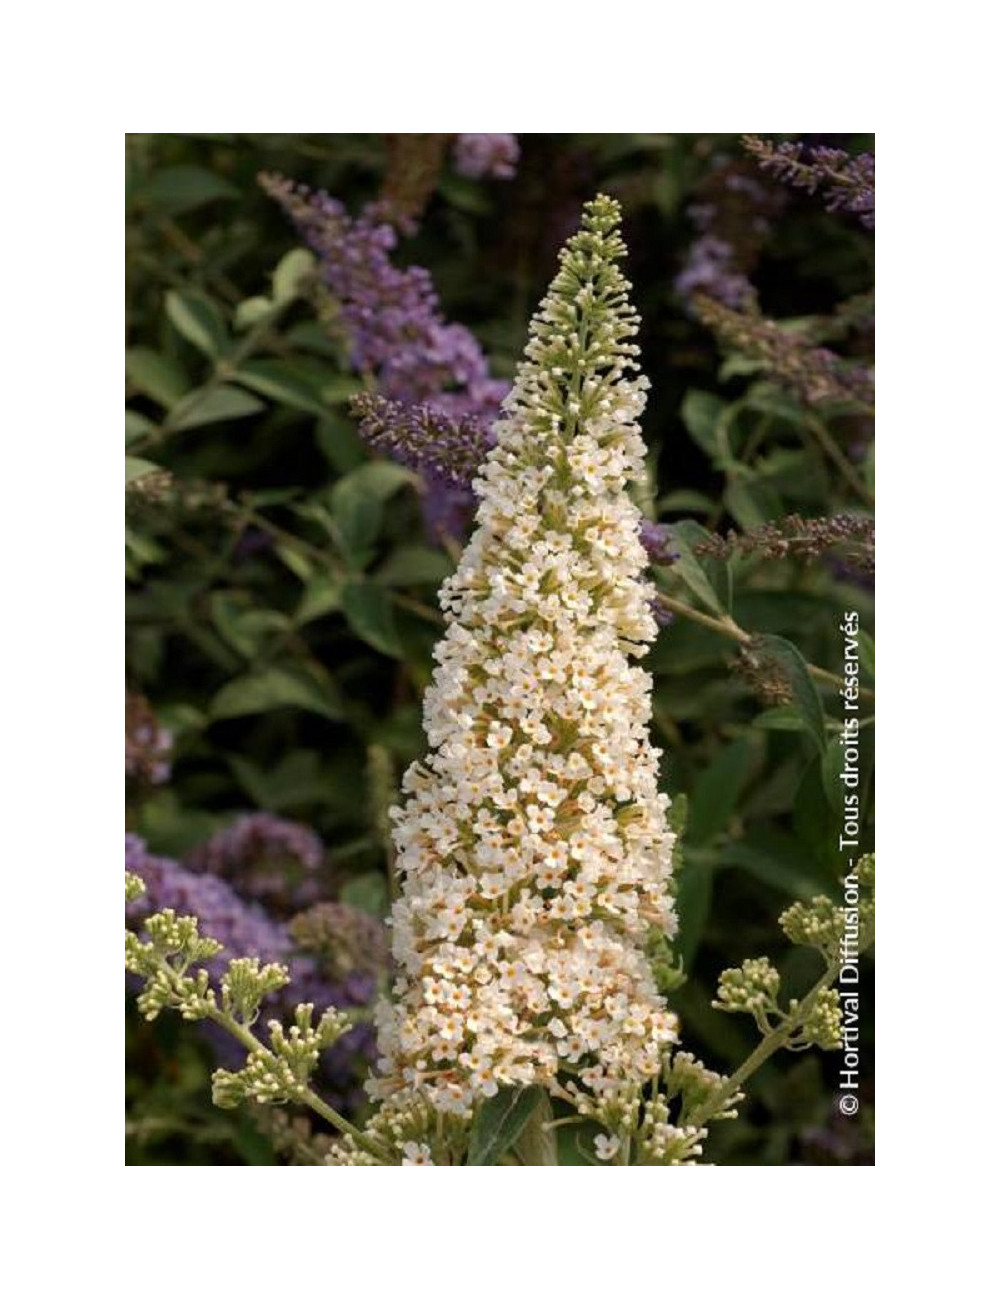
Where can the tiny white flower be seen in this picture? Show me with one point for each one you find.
(606, 1148)
(416, 1153)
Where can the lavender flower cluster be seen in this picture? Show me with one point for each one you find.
(733, 218)
(392, 319)
(847, 183)
(813, 374)
(272, 861)
(495, 156)
(326, 974)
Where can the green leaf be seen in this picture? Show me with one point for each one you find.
(356, 504)
(136, 468)
(243, 626)
(295, 781)
(380, 479)
(833, 787)
(694, 902)
(805, 696)
(184, 188)
(499, 1122)
(368, 610)
(783, 718)
(296, 560)
(282, 383)
(199, 321)
(213, 405)
(716, 792)
(274, 688)
(693, 570)
(686, 500)
(702, 415)
(773, 401)
(289, 273)
(782, 876)
(136, 426)
(250, 311)
(323, 595)
(414, 565)
(751, 503)
(155, 375)
(537, 1143)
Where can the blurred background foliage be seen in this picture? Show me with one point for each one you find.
(281, 582)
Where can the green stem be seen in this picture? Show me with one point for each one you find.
(727, 627)
(311, 1098)
(722, 1096)
(829, 446)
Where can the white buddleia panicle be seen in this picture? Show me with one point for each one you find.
(533, 844)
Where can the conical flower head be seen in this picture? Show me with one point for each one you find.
(532, 844)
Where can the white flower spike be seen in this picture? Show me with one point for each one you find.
(533, 844)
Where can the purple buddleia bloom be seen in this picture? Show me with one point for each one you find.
(664, 616)
(391, 315)
(846, 183)
(733, 218)
(391, 318)
(495, 156)
(448, 448)
(243, 928)
(709, 269)
(273, 861)
(658, 541)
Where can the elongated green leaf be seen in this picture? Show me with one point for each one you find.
(368, 610)
(136, 426)
(785, 717)
(136, 468)
(155, 375)
(717, 791)
(242, 626)
(184, 188)
(805, 696)
(831, 768)
(289, 273)
(215, 405)
(410, 565)
(499, 1123)
(763, 866)
(199, 321)
(537, 1144)
(702, 415)
(273, 688)
(694, 902)
(694, 570)
(686, 499)
(356, 505)
(281, 383)
(323, 595)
